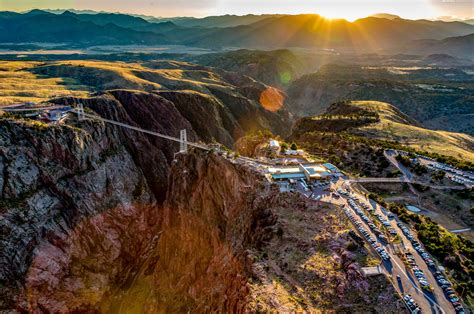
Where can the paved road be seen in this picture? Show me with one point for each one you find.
(405, 180)
(429, 302)
(460, 230)
(390, 155)
(437, 295)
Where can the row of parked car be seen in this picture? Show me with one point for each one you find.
(426, 257)
(366, 218)
(440, 279)
(458, 176)
(461, 180)
(343, 192)
(449, 291)
(386, 223)
(373, 242)
(406, 231)
(381, 218)
(412, 305)
(420, 276)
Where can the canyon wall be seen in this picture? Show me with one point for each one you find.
(51, 179)
(96, 218)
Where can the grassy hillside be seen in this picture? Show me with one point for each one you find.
(394, 128)
(221, 105)
(102, 75)
(426, 94)
(383, 122)
(18, 84)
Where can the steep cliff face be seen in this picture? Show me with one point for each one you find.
(186, 255)
(147, 111)
(223, 240)
(219, 104)
(51, 179)
(209, 117)
(215, 211)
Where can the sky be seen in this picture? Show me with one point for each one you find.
(348, 9)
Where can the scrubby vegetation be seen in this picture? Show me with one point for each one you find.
(455, 252)
(253, 142)
(414, 166)
(382, 125)
(329, 144)
(438, 175)
(429, 95)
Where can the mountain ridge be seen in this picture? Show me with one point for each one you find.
(382, 121)
(304, 30)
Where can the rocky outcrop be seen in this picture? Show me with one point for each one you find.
(190, 253)
(52, 178)
(220, 240)
(209, 117)
(214, 212)
(80, 269)
(96, 218)
(220, 105)
(147, 111)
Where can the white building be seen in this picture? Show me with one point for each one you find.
(274, 146)
(293, 152)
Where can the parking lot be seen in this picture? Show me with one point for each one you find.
(412, 271)
(417, 284)
(454, 174)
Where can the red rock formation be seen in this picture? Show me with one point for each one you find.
(191, 254)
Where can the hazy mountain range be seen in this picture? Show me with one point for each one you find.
(384, 32)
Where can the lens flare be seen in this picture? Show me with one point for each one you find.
(272, 99)
(285, 77)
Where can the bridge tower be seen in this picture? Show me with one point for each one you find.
(183, 144)
(80, 112)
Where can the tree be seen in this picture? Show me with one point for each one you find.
(438, 175)
(294, 146)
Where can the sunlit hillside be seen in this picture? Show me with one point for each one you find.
(391, 127)
(19, 84)
(101, 75)
(382, 121)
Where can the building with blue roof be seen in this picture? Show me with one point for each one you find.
(330, 167)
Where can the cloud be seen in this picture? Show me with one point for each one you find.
(332, 8)
(150, 7)
(458, 8)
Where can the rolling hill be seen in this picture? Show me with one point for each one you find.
(41, 26)
(220, 21)
(221, 106)
(382, 121)
(425, 93)
(314, 31)
(462, 46)
(276, 68)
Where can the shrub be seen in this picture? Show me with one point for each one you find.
(352, 246)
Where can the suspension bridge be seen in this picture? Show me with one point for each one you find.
(183, 141)
(81, 115)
